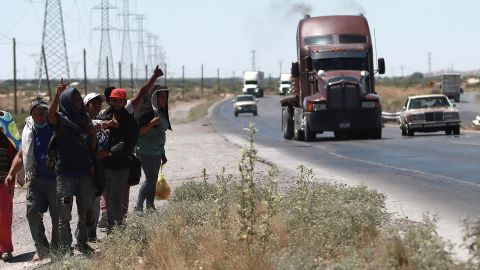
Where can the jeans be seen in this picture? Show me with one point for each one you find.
(151, 167)
(114, 193)
(80, 187)
(41, 196)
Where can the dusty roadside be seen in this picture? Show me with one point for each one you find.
(191, 147)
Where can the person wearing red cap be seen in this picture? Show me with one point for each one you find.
(132, 106)
(122, 141)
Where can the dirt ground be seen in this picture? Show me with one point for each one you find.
(190, 147)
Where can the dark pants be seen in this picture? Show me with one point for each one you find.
(114, 193)
(151, 167)
(41, 196)
(81, 188)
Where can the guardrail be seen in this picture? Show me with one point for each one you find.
(476, 122)
(387, 116)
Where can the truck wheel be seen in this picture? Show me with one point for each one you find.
(236, 114)
(309, 135)
(376, 133)
(404, 132)
(457, 98)
(298, 135)
(456, 131)
(448, 131)
(287, 125)
(339, 134)
(255, 113)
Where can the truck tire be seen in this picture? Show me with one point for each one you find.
(457, 98)
(448, 131)
(236, 114)
(287, 124)
(376, 133)
(309, 135)
(456, 131)
(404, 132)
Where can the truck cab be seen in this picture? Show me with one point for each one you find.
(285, 84)
(253, 83)
(333, 80)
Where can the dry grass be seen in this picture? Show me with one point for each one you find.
(312, 225)
(393, 98)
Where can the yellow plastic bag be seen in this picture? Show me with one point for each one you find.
(162, 190)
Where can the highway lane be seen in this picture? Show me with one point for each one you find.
(430, 172)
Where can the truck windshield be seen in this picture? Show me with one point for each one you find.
(250, 82)
(285, 82)
(318, 40)
(341, 64)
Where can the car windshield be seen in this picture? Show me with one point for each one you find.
(245, 98)
(428, 102)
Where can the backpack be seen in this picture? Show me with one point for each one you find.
(52, 154)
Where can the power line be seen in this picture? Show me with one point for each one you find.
(105, 44)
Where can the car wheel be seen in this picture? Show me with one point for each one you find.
(448, 131)
(287, 125)
(255, 113)
(410, 132)
(339, 134)
(456, 131)
(236, 114)
(404, 132)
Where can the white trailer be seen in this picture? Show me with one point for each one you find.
(451, 86)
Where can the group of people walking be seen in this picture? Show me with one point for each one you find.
(71, 148)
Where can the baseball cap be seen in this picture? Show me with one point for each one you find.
(91, 96)
(118, 93)
(38, 101)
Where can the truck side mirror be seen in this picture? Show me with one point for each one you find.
(381, 66)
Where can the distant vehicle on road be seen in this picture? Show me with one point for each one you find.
(429, 113)
(253, 83)
(245, 104)
(285, 84)
(451, 86)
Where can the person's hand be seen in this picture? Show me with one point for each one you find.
(9, 180)
(164, 159)
(158, 72)
(112, 123)
(155, 121)
(61, 87)
(102, 154)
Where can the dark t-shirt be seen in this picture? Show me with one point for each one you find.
(40, 148)
(74, 152)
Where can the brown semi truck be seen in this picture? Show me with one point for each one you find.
(333, 81)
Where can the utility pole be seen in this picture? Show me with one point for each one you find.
(15, 76)
(218, 81)
(402, 67)
(253, 61)
(202, 81)
(429, 55)
(233, 83)
(146, 72)
(141, 46)
(85, 70)
(108, 73)
(183, 81)
(280, 67)
(126, 58)
(46, 73)
(165, 74)
(120, 74)
(131, 78)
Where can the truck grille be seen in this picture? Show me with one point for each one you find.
(433, 116)
(346, 97)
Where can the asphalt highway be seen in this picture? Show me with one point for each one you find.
(429, 173)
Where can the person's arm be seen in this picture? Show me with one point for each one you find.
(157, 73)
(52, 112)
(153, 123)
(17, 164)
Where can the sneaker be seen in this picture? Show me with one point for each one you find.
(103, 223)
(6, 256)
(84, 248)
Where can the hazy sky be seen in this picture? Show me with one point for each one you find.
(222, 33)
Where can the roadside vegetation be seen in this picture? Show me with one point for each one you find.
(245, 221)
